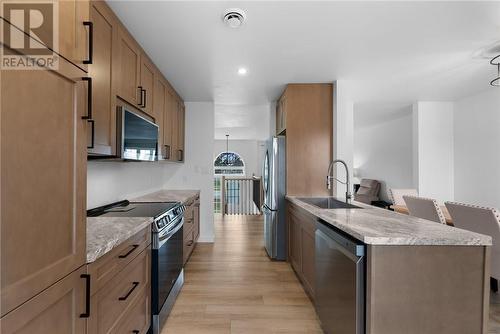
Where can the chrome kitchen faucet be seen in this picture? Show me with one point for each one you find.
(330, 177)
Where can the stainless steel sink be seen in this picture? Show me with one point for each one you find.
(328, 203)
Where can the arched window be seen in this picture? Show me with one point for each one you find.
(229, 163)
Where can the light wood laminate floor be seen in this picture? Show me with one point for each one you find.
(231, 286)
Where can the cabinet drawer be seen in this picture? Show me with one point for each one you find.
(138, 316)
(196, 220)
(188, 221)
(110, 304)
(189, 213)
(106, 267)
(188, 244)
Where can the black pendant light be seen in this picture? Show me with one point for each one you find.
(227, 150)
(496, 62)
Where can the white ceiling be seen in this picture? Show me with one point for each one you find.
(387, 51)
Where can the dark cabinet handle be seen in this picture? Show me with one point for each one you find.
(91, 42)
(135, 331)
(92, 122)
(87, 296)
(134, 247)
(140, 96)
(145, 96)
(181, 155)
(134, 285)
(190, 243)
(89, 98)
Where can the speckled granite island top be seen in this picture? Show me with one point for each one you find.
(376, 226)
(183, 196)
(105, 233)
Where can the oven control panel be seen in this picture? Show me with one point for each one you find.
(170, 216)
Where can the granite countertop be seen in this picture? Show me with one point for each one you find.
(376, 226)
(105, 233)
(183, 196)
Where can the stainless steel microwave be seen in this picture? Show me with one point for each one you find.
(137, 136)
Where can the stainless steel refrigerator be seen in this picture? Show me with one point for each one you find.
(274, 183)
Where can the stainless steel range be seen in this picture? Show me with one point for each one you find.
(167, 276)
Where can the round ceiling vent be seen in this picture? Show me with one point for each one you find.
(234, 17)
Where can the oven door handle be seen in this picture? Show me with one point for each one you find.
(164, 238)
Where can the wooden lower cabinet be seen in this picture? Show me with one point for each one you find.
(294, 240)
(138, 317)
(197, 219)
(109, 265)
(189, 242)
(124, 298)
(427, 289)
(191, 229)
(308, 253)
(43, 178)
(56, 310)
(301, 246)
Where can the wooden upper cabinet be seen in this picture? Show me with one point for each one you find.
(102, 71)
(168, 126)
(281, 115)
(147, 85)
(174, 113)
(181, 130)
(43, 177)
(309, 137)
(129, 58)
(73, 35)
(56, 310)
(159, 110)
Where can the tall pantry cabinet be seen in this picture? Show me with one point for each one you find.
(44, 123)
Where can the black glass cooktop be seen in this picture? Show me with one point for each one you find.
(134, 209)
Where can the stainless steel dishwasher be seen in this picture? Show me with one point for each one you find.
(340, 281)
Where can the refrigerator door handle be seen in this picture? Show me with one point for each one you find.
(268, 209)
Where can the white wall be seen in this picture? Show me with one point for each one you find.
(343, 133)
(112, 181)
(433, 163)
(243, 122)
(477, 148)
(251, 151)
(383, 145)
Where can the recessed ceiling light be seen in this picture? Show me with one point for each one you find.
(233, 17)
(242, 71)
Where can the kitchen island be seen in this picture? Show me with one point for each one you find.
(417, 276)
